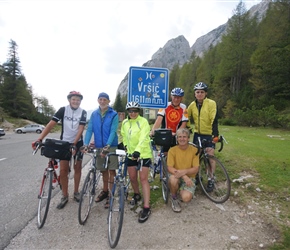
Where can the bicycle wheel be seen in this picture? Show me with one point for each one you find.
(164, 179)
(87, 195)
(222, 185)
(116, 214)
(44, 198)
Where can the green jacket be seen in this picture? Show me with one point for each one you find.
(135, 135)
(205, 119)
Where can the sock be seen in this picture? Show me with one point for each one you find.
(174, 196)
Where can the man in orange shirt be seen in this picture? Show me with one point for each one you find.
(172, 117)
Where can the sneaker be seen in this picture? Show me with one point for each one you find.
(63, 202)
(77, 196)
(210, 186)
(135, 199)
(144, 215)
(197, 179)
(175, 205)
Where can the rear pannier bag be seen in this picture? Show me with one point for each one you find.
(56, 149)
(163, 137)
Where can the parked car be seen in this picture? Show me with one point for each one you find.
(31, 128)
(2, 132)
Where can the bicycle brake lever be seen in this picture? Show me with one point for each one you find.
(36, 149)
(224, 139)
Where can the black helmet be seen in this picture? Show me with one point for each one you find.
(74, 93)
(177, 92)
(200, 86)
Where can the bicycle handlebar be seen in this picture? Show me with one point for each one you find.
(40, 144)
(119, 152)
(203, 143)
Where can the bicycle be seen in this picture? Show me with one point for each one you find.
(222, 185)
(118, 195)
(50, 180)
(88, 192)
(159, 166)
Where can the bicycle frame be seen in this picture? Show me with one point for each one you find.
(49, 177)
(88, 191)
(122, 173)
(159, 166)
(118, 194)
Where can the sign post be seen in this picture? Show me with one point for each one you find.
(148, 87)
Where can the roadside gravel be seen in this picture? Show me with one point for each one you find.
(201, 225)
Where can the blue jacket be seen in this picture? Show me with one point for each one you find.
(104, 128)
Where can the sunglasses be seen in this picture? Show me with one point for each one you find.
(200, 92)
(133, 111)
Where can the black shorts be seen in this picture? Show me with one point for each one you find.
(146, 163)
(204, 137)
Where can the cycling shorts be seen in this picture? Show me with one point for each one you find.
(146, 163)
(202, 137)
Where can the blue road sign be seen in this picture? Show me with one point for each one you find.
(148, 87)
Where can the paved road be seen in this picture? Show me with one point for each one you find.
(20, 176)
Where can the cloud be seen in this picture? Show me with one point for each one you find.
(89, 45)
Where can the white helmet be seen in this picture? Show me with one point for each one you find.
(132, 105)
(200, 86)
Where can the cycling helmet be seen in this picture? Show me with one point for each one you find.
(200, 86)
(74, 93)
(135, 105)
(177, 92)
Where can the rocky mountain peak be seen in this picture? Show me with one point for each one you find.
(178, 50)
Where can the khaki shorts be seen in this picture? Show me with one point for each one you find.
(113, 161)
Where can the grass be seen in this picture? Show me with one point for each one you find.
(264, 154)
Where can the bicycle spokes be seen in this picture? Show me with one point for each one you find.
(214, 179)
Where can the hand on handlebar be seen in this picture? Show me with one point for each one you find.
(215, 139)
(136, 155)
(35, 144)
(84, 149)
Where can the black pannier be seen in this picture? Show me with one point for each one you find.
(56, 149)
(163, 137)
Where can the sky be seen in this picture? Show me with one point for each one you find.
(89, 45)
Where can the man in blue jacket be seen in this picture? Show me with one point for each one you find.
(104, 125)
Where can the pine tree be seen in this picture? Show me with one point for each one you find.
(270, 62)
(118, 104)
(15, 93)
(234, 52)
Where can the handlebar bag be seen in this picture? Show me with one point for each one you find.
(163, 137)
(56, 149)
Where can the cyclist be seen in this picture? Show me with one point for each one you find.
(103, 124)
(135, 132)
(182, 163)
(203, 111)
(73, 120)
(172, 117)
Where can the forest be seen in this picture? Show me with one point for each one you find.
(16, 96)
(248, 74)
